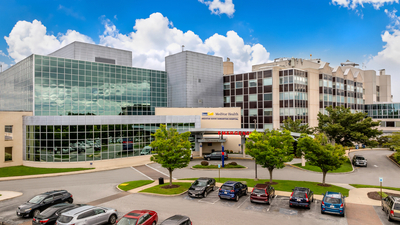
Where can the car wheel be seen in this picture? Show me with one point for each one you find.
(322, 212)
(208, 159)
(245, 193)
(70, 200)
(237, 198)
(343, 214)
(290, 206)
(112, 219)
(35, 212)
(205, 194)
(389, 219)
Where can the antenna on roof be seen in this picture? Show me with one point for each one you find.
(183, 47)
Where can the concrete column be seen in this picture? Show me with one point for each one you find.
(201, 149)
(244, 146)
(303, 161)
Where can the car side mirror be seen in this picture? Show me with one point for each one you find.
(208, 185)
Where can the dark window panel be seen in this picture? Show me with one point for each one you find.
(239, 77)
(239, 91)
(246, 84)
(253, 105)
(252, 76)
(252, 90)
(227, 92)
(268, 104)
(260, 89)
(246, 91)
(226, 79)
(246, 76)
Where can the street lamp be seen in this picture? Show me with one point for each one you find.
(255, 162)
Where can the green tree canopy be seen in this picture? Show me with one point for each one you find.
(345, 128)
(393, 141)
(270, 149)
(296, 126)
(172, 150)
(318, 152)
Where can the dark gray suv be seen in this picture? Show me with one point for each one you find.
(359, 160)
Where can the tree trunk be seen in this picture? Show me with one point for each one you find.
(323, 176)
(170, 177)
(270, 174)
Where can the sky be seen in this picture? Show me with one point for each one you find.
(248, 32)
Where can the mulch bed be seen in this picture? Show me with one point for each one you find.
(324, 185)
(170, 186)
(375, 195)
(271, 183)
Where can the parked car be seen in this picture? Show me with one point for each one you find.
(177, 220)
(333, 202)
(201, 187)
(43, 201)
(301, 197)
(391, 206)
(359, 160)
(232, 190)
(51, 214)
(92, 215)
(147, 150)
(142, 217)
(216, 155)
(262, 193)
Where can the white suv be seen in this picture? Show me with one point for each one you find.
(88, 215)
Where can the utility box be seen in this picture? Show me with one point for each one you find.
(161, 180)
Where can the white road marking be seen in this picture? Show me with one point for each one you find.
(141, 173)
(268, 208)
(160, 172)
(243, 202)
(212, 203)
(375, 165)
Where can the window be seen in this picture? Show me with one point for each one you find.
(8, 154)
(252, 112)
(267, 81)
(239, 98)
(239, 84)
(227, 86)
(227, 99)
(268, 97)
(253, 98)
(8, 132)
(252, 83)
(268, 112)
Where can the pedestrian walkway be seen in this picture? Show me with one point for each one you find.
(150, 172)
(9, 194)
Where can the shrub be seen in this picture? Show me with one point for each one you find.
(396, 157)
(8, 157)
(233, 163)
(231, 151)
(204, 163)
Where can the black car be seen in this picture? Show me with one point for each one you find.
(51, 214)
(216, 155)
(43, 201)
(301, 197)
(177, 220)
(201, 187)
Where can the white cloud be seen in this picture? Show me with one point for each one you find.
(155, 37)
(28, 38)
(389, 57)
(355, 3)
(2, 53)
(218, 7)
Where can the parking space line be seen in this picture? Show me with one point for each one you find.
(243, 202)
(160, 172)
(142, 173)
(212, 203)
(269, 208)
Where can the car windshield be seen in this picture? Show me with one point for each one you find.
(360, 158)
(226, 187)
(49, 211)
(396, 206)
(299, 194)
(258, 191)
(64, 219)
(200, 183)
(332, 200)
(127, 221)
(37, 199)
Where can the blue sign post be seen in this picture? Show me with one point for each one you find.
(223, 156)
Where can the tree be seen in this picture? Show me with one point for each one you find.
(393, 141)
(296, 126)
(270, 149)
(318, 152)
(172, 150)
(343, 127)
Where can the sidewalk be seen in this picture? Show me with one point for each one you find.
(9, 194)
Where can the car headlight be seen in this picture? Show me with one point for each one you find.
(27, 210)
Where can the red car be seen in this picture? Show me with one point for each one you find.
(142, 217)
(262, 193)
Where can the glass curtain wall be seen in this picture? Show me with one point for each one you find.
(74, 143)
(383, 111)
(73, 87)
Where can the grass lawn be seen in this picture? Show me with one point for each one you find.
(25, 170)
(374, 186)
(287, 185)
(126, 186)
(227, 166)
(383, 194)
(346, 167)
(183, 186)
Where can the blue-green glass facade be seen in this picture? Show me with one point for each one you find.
(73, 87)
(383, 110)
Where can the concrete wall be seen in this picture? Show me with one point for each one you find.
(88, 52)
(370, 86)
(228, 68)
(194, 80)
(100, 164)
(385, 88)
(313, 97)
(16, 120)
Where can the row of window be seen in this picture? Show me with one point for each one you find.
(251, 98)
(293, 95)
(252, 83)
(293, 111)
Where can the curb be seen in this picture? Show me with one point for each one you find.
(393, 161)
(146, 193)
(218, 168)
(14, 196)
(296, 167)
(120, 189)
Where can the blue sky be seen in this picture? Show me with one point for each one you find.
(249, 32)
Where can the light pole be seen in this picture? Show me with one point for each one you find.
(255, 162)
